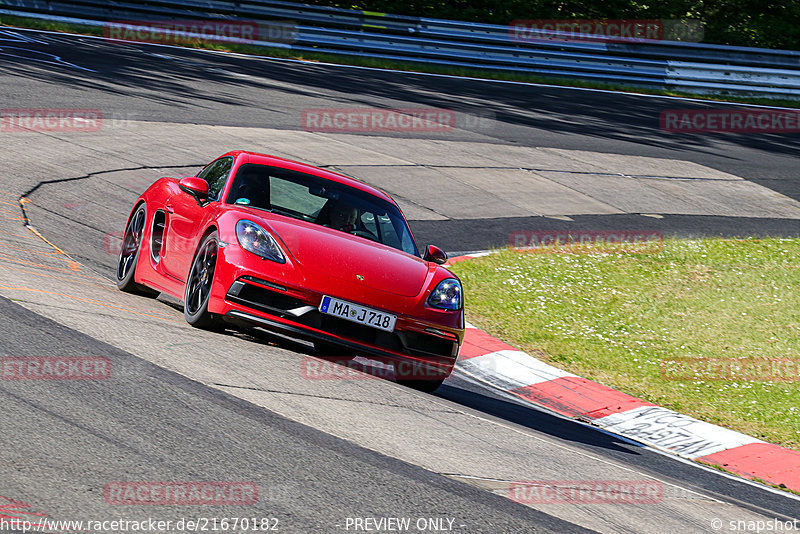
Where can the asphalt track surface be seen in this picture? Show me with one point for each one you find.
(62, 441)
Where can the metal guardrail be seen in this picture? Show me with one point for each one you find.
(686, 66)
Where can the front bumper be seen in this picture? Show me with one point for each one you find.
(429, 346)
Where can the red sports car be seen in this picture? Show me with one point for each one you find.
(258, 240)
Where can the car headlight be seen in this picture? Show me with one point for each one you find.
(447, 295)
(255, 239)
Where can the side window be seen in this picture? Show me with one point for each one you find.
(216, 174)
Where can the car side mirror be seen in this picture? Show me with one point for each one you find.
(435, 254)
(197, 187)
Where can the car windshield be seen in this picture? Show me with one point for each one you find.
(320, 201)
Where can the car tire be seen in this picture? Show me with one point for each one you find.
(129, 254)
(426, 386)
(199, 284)
(323, 348)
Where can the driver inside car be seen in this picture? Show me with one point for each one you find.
(252, 190)
(343, 217)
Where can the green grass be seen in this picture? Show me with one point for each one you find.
(408, 66)
(613, 318)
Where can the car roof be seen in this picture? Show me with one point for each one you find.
(275, 161)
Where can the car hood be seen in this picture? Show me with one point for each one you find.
(325, 254)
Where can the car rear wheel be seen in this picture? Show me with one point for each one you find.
(129, 254)
(198, 286)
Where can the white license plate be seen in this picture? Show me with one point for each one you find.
(357, 313)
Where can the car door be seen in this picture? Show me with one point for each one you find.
(185, 215)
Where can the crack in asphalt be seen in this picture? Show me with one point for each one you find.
(23, 199)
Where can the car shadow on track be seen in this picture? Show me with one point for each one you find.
(457, 390)
(486, 401)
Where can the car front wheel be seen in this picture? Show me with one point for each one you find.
(324, 348)
(426, 386)
(198, 286)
